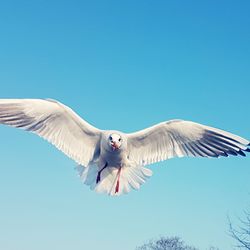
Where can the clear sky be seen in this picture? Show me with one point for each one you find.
(124, 65)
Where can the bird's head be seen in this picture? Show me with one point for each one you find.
(115, 141)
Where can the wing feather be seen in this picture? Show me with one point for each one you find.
(54, 122)
(178, 138)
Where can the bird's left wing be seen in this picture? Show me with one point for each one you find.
(178, 138)
(56, 123)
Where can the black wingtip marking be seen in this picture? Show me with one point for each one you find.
(222, 136)
(241, 153)
(247, 150)
(224, 154)
(232, 152)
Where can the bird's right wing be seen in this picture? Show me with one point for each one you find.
(56, 123)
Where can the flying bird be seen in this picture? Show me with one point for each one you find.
(111, 161)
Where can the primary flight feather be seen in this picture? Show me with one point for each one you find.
(113, 162)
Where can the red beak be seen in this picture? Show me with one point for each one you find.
(114, 146)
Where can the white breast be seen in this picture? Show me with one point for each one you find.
(115, 158)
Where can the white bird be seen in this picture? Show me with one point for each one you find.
(110, 161)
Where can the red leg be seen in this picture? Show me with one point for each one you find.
(98, 178)
(118, 181)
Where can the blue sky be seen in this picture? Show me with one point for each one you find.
(124, 65)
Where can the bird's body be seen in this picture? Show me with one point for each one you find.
(113, 162)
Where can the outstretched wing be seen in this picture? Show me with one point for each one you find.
(56, 123)
(179, 138)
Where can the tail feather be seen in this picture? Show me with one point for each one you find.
(131, 177)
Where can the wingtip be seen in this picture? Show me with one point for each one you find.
(241, 153)
(248, 147)
(223, 154)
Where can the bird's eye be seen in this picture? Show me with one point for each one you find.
(110, 138)
(120, 139)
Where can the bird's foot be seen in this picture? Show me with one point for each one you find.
(98, 177)
(118, 181)
(117, 187)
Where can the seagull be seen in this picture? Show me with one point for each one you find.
(111, 161)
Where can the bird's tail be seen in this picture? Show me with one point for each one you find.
(130, 177)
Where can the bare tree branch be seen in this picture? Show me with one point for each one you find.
(166, 243)
(241, 234)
